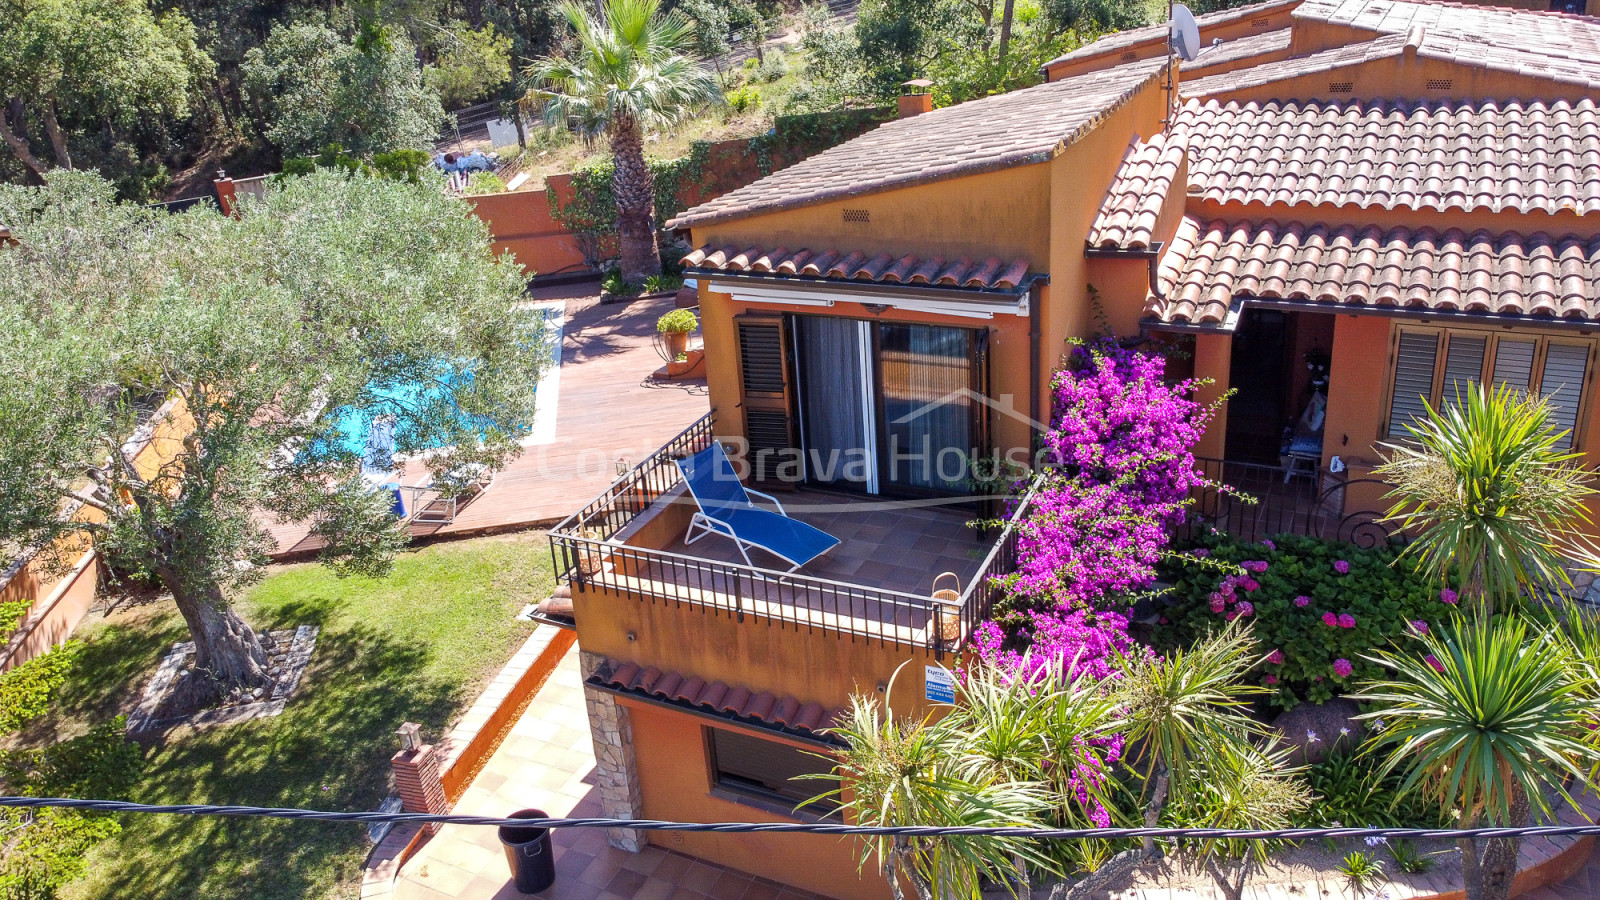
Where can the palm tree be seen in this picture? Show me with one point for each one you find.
(1489, 493)
(1490, 719)
(629, 73)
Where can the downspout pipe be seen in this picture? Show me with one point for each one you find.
(1151, 255)
(1035, 335)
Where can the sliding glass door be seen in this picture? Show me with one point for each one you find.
(888, 407)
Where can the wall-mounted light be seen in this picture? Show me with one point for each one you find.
(876, 309)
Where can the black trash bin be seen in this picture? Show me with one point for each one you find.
(533, 867)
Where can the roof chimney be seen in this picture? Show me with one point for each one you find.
(915, 98)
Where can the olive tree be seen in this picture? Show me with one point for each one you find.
(325, 301)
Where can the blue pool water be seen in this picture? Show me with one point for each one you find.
(355, 424)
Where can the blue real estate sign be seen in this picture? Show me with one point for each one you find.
(941, 685)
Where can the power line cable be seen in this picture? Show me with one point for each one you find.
(1292, 834)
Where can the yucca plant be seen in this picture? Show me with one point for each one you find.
(1242, 788)
(901, 771)
(1486, 716)
(630, 73)
(1488, 492)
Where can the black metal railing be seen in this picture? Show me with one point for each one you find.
(957, 622)
(1259, 501)
(638, 489)
(588, 556)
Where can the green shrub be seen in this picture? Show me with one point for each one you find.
(485, 183)
(1408, 859)
(617, 286)
(1373, 602)
(680, 321)
(744, 99)
(1361, 870)
(774, 67)
(656, 284)
(1353, 792)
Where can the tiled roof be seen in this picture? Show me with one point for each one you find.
(1550, 34)
(1210, 263)
(1237, 49)
(1444, 155)
(1310, 64)
(884, 268)
(1133, 203)
(783, 712)
(1149, 34)
(1015, 128)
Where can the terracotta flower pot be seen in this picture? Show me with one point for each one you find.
(677, 343)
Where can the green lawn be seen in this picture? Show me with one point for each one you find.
(415, 646)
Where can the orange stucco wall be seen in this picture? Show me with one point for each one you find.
(675, 781)
(62, 580)
(521, 224)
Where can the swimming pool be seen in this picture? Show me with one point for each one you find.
(356, 425)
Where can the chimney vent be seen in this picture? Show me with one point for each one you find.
(915, 98)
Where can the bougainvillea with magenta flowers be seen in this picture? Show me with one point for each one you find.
(1086, 641)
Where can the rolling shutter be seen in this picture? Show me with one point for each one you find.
(1463, 366)
(1415, 357)
(1513, 363)
(764, 395)
(1561, 383)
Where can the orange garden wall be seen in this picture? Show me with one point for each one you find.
(62, 580)
(521, 224)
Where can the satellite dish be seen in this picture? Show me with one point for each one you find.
(1183, 33)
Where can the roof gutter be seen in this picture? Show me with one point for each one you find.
(1151, 255)
(1426, 316)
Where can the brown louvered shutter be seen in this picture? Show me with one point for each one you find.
(1415, 356)
(764, 394)
(1565, 368)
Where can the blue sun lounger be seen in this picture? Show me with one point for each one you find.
(726, 509)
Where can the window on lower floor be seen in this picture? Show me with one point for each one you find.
(1439, 364)
(769, 770)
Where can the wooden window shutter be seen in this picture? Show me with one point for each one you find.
(1561, 383)
(1513, 363)
(764, 385)
(1463, 366)
(1415, 356)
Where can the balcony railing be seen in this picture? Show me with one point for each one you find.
(589, 555)
(1283, 506)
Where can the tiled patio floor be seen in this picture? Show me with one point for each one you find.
(546, 762)
(609, 408)
(883, 543)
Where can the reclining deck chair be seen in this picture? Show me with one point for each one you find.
(726, 509)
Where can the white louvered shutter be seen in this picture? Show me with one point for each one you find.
(1513, 363)
(1463, 367)
(1562, 384)
(1413, 379)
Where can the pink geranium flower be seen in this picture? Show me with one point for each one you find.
(1217, 603)
(1433, 662)
(1302, 600)
(1275, 657)
(1271, 679)
(1347, 621)
(1419, 626)
(1246, 608)
(1250, 584)
(1269, 545)
(1330, 620)
(1448, 596)
(1342, 668)
(1342, 567)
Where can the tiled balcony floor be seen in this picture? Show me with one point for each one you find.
(884, 544)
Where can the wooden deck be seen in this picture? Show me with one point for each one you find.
(609, 408)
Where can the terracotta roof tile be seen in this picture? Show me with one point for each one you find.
(1536, 156)
(1133, 203)
(1311, 64)
(1208, 264)
(1153, 34)
(992, 274)
(1241, 48)
(783, 712)
(1016, 128)
(1553, 34)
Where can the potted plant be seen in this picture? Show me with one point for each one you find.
(674, 327)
